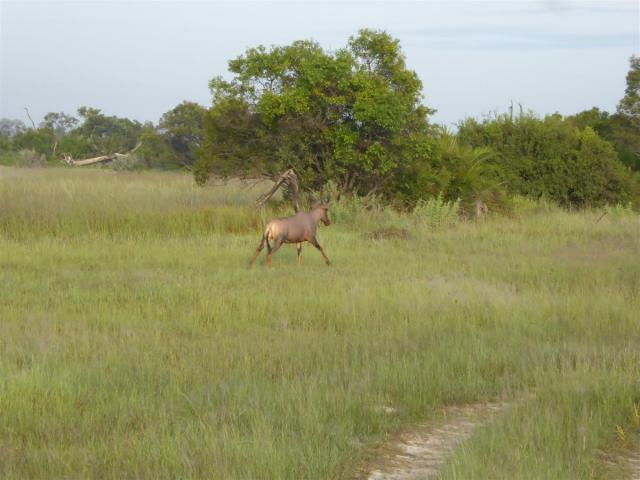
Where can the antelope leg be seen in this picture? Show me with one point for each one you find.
(315, 243)
(272, 250)
(258, 250)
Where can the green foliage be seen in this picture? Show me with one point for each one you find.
(183, 127)
(622, 129)
(8, 157)
(40, 140)
(551, 157)
(620, 210)
(60, 133)
(127, 163)
(437, 213)
(370, 213)
(107, 134)
(629, 106)
(625, 136)
(353, 116)
(30, 158)
(155, 150)
(460, 173)
(619, 129)
(59, 122)
(76, 144)
(596, 177)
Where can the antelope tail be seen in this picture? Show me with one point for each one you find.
(267, 234)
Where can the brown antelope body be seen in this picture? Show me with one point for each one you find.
(296, 229)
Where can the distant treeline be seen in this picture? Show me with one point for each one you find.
(355, 118)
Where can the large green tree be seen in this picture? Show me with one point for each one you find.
(183, 127)
(106, 134)
(622, 128)
(630, 103)
(59, 122)
(626, 129)
(353, 116)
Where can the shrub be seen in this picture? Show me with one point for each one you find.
(30, 158)
(620, 210)
(550, 157)
(8, 158)
(127, 163)
(437, 213)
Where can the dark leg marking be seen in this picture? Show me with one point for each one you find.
(274, 249)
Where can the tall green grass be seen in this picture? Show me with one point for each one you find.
(81, 202)
(135, 342)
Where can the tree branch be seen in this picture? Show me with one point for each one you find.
(288, 178)
(31, 119)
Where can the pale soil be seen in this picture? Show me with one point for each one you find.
(421, 451)
(624, 465)
(634, 465)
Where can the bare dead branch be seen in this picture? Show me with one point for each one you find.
(31, 119)
(289, 180)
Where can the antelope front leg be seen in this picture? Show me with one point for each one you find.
(315, 243)
(299, 252)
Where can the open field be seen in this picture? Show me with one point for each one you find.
(135, 342)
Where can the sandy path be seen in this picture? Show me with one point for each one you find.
(421, 452)
(634, 466)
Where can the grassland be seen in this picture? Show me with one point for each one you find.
(135, 342)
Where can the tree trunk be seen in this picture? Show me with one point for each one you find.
(102, 158)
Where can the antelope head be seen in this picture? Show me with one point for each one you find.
(324, 211)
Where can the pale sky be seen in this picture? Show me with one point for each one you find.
(140, 59)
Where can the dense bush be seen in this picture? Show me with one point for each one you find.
(551, 157)
(30, 158)
(459, 173)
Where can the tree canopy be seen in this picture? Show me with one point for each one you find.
(630, 103)
(353, 116)
(183, 127)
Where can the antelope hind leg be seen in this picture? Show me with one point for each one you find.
(273, 250)
(258, 250)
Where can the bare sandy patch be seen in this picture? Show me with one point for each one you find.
(421, 451)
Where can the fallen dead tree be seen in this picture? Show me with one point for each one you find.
(69, 160)
(288, 181)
